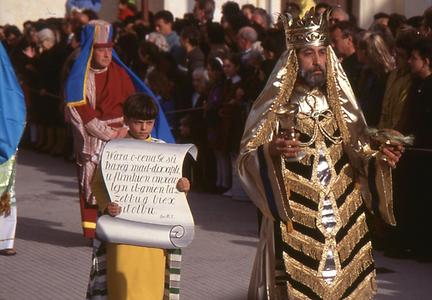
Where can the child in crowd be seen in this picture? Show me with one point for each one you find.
(133, 271)
(233, 115)
(214, 122)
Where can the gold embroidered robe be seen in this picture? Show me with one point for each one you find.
(326, 250)
(266, 180)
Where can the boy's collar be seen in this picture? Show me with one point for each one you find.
(148, 139)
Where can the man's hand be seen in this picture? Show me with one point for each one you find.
(121, 132)
(284, 147)
(113, 209)
(183, 185)
(392, 154)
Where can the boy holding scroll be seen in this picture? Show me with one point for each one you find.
(134, 272)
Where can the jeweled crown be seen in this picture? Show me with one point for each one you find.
(311, 30)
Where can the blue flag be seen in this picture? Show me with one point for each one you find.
(12, 108)
(75, 84)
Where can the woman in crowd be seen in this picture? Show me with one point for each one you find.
(51, 133)
(214, 123)
(233, 115)
(414, 171)
(374, 54)
(394, 103)
(399, 80)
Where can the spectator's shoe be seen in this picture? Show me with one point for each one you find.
(8, 252)
(228, 193)
(221, 189)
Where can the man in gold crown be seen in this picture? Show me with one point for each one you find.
(304, 161)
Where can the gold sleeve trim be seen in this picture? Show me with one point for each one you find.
(264, 130)
(383, 182)
(333, 99)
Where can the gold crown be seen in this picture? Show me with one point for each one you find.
(311, 30)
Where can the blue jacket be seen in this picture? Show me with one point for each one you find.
(94, 5)
(12, 109)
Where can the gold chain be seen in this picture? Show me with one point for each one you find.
(318, 126)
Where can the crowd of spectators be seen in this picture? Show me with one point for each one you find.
(208, 72)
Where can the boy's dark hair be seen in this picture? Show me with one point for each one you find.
(164, 15)
(424, 47)
(140, 107)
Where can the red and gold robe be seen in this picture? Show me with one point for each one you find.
(96, 122)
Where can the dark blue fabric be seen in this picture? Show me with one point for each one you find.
(266, 183)
(74, 90)
(12, 108)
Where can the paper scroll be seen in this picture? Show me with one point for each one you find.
(142, 177)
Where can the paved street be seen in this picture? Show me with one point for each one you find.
(53, 258)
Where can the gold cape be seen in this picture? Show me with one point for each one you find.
(262, 178)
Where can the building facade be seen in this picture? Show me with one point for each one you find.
(16, 12)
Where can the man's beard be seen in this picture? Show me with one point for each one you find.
(314, 80)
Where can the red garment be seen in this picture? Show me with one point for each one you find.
(123, 13)
(112, 89)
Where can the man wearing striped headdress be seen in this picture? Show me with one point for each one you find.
(96, 88)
